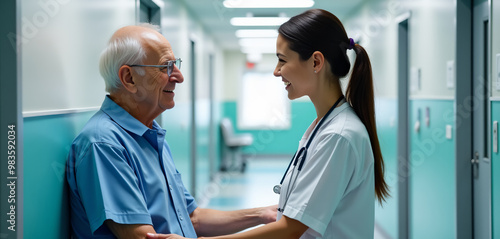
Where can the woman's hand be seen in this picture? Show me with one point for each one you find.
(268, 214)
(164, 236)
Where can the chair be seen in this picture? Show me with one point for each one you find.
(233, 159)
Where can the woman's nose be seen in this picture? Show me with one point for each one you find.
(277, 71)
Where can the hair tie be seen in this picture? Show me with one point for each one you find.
(351, 44)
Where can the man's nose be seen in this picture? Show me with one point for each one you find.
(176, 75)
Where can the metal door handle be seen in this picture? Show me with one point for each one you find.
(475, 165)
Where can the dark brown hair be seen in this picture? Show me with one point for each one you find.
(320, 30)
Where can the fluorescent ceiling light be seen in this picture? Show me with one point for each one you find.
(258, 42)
(258, 45)
(258, 21)
(255, 50)
(268, 3)
(256, 33)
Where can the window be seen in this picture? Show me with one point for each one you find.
(263, 102)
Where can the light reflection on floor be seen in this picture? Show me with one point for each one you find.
(254, 188)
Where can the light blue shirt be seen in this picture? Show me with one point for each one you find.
(119, 169)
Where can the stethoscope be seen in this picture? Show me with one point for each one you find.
(301, 156)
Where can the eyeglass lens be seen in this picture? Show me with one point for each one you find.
(171, 64)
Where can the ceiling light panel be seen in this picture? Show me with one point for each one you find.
(266, 50)
(258, 21)
(257, 42)
(256, 33)
(268, 3)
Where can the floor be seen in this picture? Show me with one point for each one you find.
(235, 190)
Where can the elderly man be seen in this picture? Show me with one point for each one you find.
(122, 179)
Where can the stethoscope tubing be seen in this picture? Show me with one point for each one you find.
(302, 153)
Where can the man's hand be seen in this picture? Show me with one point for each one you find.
(164, 236)
(269, 214)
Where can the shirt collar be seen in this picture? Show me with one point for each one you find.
(336, 111)
(125, 120)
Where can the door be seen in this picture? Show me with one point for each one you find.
(481, 165)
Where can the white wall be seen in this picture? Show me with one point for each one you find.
(432, 43)
(375, 28)
(60, 52)
(234, 66)
(63, 39)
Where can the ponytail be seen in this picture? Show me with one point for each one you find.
(360, 95)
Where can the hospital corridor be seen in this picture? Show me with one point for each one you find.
(221, 105)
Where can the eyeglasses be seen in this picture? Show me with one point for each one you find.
(169, 67)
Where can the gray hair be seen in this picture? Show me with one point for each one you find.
(119, 52)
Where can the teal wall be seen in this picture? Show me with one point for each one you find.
(176, 122)
(282, 142)
(47, 140)
(386, 215)
(495, 176)
(432, 185)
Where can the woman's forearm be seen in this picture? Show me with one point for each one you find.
(285, 228)
(209, 222)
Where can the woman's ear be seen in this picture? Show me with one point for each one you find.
(126, 78)
(318, 60)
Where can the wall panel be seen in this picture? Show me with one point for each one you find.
(432, 171)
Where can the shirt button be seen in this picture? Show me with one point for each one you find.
(170, 186)
(181, 218)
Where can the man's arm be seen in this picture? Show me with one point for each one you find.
(129, 231)
(209, 222)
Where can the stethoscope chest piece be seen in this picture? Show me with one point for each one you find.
(277, 189)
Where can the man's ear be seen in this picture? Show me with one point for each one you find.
(319, 60)
(128, 82)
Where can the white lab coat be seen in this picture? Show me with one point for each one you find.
(334, 193)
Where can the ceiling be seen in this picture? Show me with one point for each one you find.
(215, 17)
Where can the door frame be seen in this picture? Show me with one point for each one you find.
(403, 126)
(193, 134)
(463, 120)
(11, 118)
